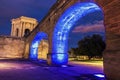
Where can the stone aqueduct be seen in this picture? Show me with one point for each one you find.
(111, 11)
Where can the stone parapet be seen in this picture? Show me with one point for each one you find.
(11, 47)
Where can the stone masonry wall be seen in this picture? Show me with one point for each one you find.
(11, 47)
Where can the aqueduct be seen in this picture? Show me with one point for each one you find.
(65, 13)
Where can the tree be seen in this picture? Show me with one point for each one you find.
(91, 46)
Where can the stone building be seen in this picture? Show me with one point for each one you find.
(22, 25)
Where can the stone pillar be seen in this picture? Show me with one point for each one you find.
(24, 25)
(31, 27)
(21, 27)
(111, 56)
(12, 29)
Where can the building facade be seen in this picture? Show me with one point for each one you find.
(22, 26)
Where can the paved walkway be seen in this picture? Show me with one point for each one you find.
(26, 70)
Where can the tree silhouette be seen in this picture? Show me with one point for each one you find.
(91, 46)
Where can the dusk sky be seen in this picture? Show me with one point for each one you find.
(10, 9)
(88, 25)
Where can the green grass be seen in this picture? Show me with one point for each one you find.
(93, 61)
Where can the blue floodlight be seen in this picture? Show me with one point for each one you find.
(100, 75)
(64, 66)
(35, 43)
(63, 26)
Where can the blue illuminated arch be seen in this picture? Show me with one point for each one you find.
(63, 26)
(35, 43)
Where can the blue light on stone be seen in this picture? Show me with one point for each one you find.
(35, 43)
(65, 23)
(60, 58)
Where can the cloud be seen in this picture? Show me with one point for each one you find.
(96, 27)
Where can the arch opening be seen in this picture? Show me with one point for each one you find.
(26, 32)
(39, 46)
(63, 27)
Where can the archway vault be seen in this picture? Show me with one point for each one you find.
(63, 26)
(111, 21)
(35, 44)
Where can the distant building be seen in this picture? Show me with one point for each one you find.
(22, 26)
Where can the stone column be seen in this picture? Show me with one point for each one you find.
(21, 25)
(23, 29)
(31, 28)
(12, 29)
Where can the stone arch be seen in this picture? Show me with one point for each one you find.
(111, 21)
(34, 47)
(26, 32)
(63, 26)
